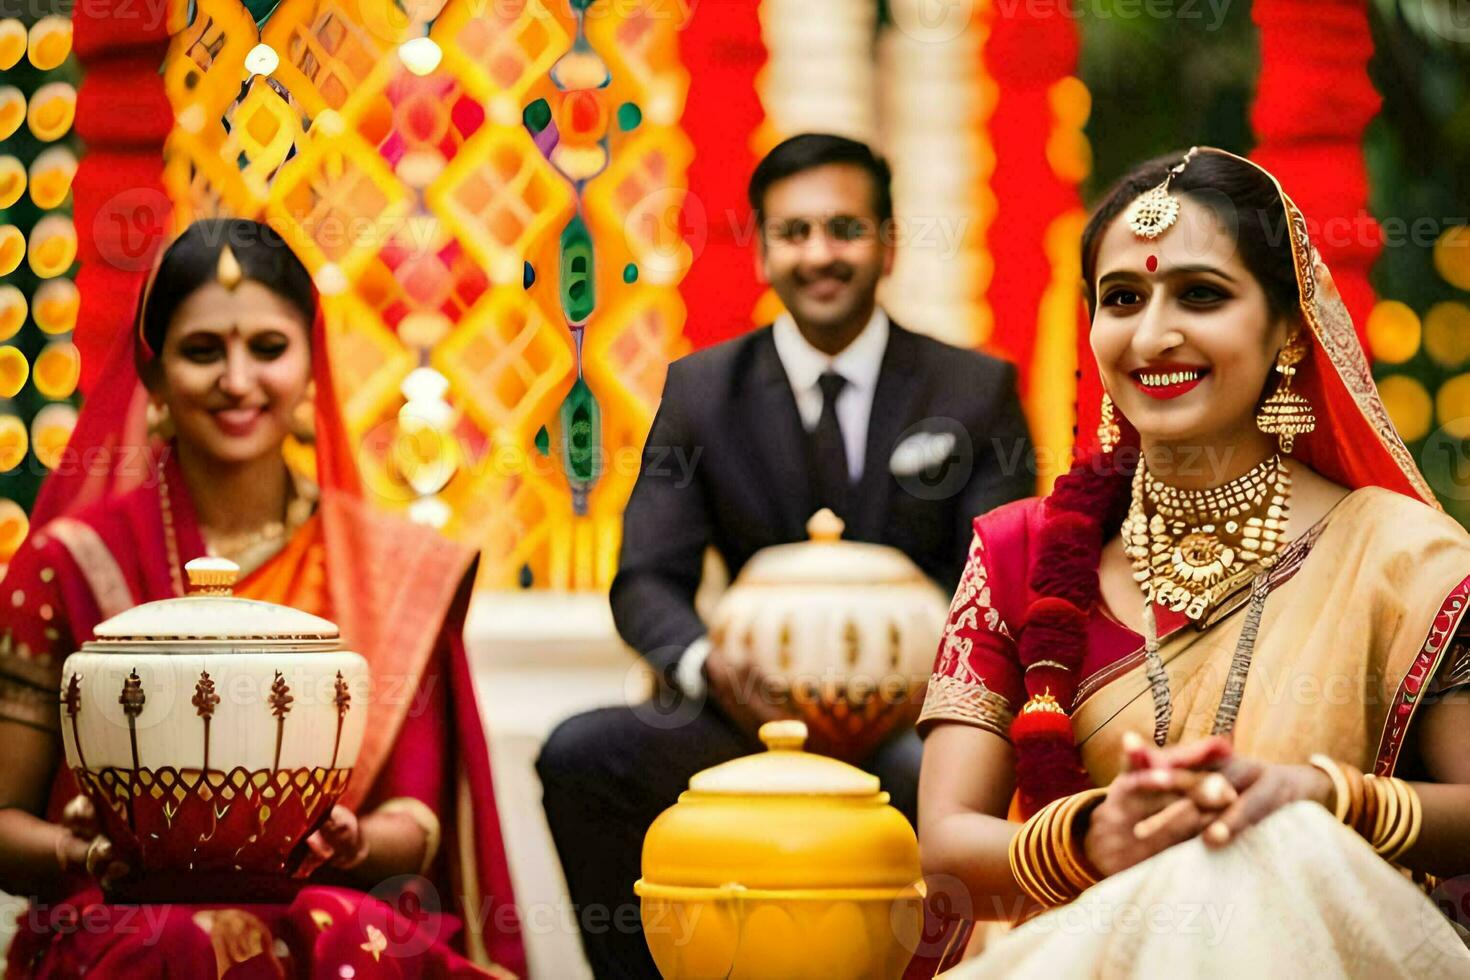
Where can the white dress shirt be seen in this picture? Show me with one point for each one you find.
(859, 362)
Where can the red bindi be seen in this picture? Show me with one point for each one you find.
(1153, 263)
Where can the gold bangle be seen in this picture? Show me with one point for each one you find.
(1356, 801)
(1369, 816)
(1341, 796)
(1416, 820)
(419, 813)
(1380, 811)
(1066, 855)
(1381, 823)
(1043, 854)
(1036, 852)
(1075, 869)
(1023, 861)
(1058, 844)
(1405, 799)
(1074, 856)
(1020, 866)
(1389, 803)
(1395, 833)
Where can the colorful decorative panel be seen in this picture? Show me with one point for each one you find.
(481, 192)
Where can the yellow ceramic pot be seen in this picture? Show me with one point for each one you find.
(783, 865)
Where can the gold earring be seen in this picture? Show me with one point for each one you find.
(1287, 414)
(160, 421)
(1108, 435)
(303, 416)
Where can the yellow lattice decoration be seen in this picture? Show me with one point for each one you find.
(501, 198)
(501, 50)
(337, 201)
(422, 201)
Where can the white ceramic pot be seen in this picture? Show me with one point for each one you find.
(845, 630)
(212, 733)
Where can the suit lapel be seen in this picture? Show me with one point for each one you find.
(893, 405)
(773, 427)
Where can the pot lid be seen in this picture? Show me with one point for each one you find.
(782, 820)
(826, 559)
(211, 613)
(785, 770)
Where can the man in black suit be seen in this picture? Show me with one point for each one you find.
(905, 438)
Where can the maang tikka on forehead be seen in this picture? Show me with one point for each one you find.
(1155, 210)
(228, 272)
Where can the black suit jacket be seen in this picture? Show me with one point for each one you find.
(726, 463)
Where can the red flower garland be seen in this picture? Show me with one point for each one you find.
(1087, 505)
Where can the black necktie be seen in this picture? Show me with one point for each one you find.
(829, 453)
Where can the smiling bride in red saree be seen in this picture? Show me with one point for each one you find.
(113, 528)
(1309, 630)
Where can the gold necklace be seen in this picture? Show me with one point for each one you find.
(1191, 548)
(1243, 494)
(246, 549)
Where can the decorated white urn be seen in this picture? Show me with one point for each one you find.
(844, 631)
(213, 733)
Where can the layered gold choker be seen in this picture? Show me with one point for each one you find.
(1192, 548)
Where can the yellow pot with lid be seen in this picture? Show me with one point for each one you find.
(781, 864)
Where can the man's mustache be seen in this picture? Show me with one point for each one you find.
(839, 270)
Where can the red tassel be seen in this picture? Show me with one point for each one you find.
(1048, 762)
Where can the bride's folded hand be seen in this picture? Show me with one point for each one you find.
(1152, 806)
(1264, 787)
(1259, 789)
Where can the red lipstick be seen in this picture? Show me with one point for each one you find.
(1165, 381)
(238, 422)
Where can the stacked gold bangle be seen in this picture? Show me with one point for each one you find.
(1384, 811)
(1046, 853)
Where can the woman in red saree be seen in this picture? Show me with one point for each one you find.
(1243, 602)
(179, 453)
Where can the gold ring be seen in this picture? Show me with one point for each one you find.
(92, 848)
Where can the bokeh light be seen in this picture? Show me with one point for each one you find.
(56, 305)
(1452, 256)
(1408, 404)
(1393, 331)
(1447, 333)
(50, 431)
(1452, 404)
(14, 442)
(12, 311)
(57, 370)
(14, 370)
(53, 246)
(52, 110)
